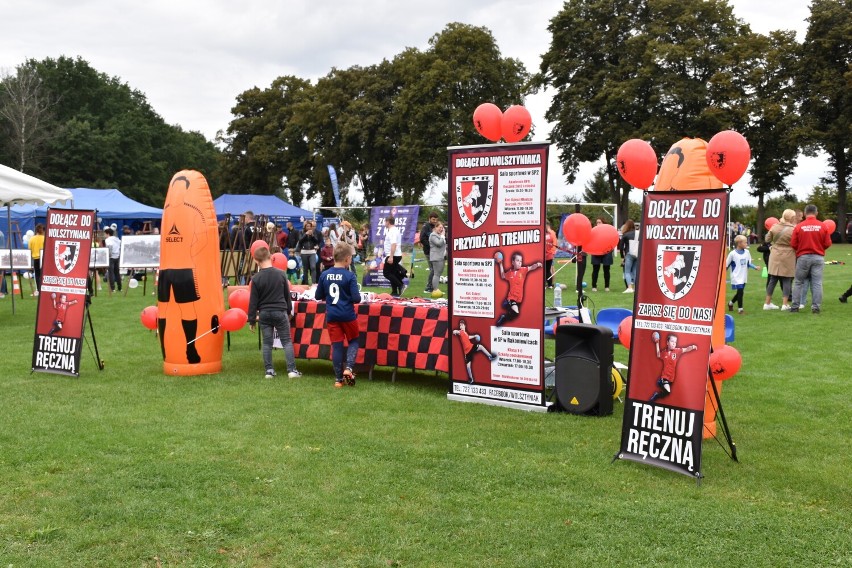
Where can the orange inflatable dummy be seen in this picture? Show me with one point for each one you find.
(685, 168)
(189, 290)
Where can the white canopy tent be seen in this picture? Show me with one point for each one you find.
(18, 187)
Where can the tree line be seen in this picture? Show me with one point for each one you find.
(619, 69)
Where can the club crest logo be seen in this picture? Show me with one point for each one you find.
(677, 267)
(65, 255)
(473, 199)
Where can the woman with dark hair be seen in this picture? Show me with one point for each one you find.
(599, 260)
(308, 247)
(629, 248)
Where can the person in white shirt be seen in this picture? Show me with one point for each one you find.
(739, 261)
(113, 243)
(392, 252)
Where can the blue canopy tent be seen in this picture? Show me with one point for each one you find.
(112, 207)
(274, 208)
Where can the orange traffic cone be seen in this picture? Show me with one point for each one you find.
(16, 285)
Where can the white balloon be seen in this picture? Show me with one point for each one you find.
(291, 264)
(29, 233)
(133, 283)
(26, 239)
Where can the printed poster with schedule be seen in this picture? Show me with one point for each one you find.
(497, 195)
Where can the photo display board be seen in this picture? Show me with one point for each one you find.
(497, 196)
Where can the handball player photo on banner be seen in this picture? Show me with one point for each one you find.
(680, 266)
(62, 297)
(496, 258)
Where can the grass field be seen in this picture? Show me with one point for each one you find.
(128, 467)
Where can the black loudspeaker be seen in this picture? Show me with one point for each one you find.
(584, 369)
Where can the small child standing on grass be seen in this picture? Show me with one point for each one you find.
(739, 261)
(338, 286)
(270, 295)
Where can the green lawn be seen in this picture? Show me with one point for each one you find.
(128, 467)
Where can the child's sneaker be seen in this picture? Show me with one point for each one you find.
(740, 310)
(270, 374)
(349, 377)
(338, 384)
(731, 307)
(294, 374)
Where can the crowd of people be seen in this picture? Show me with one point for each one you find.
(795, 252)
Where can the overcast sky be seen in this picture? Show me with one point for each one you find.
(191, 58)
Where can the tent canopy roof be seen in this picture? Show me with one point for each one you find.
(111, 204)
(268, 205)
(19, 188)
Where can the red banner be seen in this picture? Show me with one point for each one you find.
(680, 261)
(62, 298)
(496, 265)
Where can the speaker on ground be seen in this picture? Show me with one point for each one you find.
(584, 369)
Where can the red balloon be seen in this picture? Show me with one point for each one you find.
(637, 163)
(487, 119)
(577, 229)
(725, 362)
(516, 123)
(625, 331)
(233, 319)
(239, 298)
(149, 317)
(603, 239)
(830, 226)
(770, 222)
(728, 155)
(279, 260)
(256, 245)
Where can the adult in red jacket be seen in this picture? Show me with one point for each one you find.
(550, 248)
(810, 239)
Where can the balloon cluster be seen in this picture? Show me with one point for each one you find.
(728, 155)
(512, 125)
(232, 320)
(578, 230)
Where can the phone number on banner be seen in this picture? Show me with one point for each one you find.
(498, 393)
(669, 326)
(63, 290)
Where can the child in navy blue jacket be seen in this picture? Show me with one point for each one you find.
(338, 286)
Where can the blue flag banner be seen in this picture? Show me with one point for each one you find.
(334, 186)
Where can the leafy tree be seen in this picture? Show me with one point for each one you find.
(25, 105)
(597, 189)
(462, 69)
(825, 198)
(387, 125)
(653, 69)
(824, 79)
(347, 119)
(772, 126)
(266, 149)
(104, 134)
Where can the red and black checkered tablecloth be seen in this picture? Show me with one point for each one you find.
(392, 334)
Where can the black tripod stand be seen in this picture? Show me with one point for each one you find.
(88, 317)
